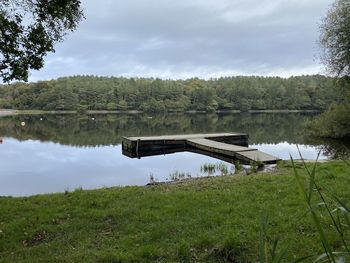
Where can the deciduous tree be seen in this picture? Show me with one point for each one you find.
(335, 39)
(28, 31)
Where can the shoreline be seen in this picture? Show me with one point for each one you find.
(7, 113)
(266, 170)
(12, 112)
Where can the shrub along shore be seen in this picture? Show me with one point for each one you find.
(214, 219)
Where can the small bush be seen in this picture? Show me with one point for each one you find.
(333, 123)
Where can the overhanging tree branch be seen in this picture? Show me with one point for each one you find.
(29, 29)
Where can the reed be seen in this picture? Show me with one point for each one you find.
(323, 204)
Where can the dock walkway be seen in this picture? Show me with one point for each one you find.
(229, 146)
(239, 152)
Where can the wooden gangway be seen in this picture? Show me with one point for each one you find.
(237, 152)
(225, 146)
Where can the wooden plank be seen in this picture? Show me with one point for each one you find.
(183, 136)
(258, 156)
(218, 156)
(245, 153)
(220, 147)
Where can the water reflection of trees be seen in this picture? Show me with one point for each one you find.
(333, 149)
(106, 129)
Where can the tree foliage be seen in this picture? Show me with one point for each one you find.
(154, 95)
(28, 31)
(335, 38)
(335, 123)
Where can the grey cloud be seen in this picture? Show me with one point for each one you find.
(202, 38)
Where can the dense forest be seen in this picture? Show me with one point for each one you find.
(82, 93)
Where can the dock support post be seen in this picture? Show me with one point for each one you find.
(137, 148)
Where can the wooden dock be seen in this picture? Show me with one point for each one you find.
(237, 152)
(224, 146)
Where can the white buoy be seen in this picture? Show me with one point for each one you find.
(41, 119)
(93, 118)
(23, 123)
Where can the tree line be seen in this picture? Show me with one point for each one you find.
(242, 93)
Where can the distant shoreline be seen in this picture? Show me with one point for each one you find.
(7, 113)
(10, 112)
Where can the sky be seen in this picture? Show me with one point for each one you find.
(191, 38)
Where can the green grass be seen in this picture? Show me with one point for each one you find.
(203, 220)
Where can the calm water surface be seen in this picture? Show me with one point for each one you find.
(54, 153)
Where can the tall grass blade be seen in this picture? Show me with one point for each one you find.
(274, 248)
(300, 184)
(307, 193)
(301, 259)
(268, 251)
(323, 237)
(279, 258)
(324, 256)
(263, 236)
(343, 205)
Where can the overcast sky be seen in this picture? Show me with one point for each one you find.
(191, 38)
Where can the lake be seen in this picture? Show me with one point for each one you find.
(63, 152)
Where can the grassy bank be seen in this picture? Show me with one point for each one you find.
(203, 220)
